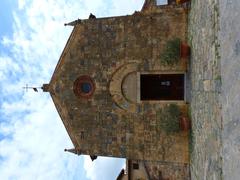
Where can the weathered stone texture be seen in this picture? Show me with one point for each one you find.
(205, 71)
(171, 171)
(214, 29)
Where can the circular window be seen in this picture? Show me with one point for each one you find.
(83, 87)
(86, 87)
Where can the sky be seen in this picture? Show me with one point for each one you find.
(32, 135)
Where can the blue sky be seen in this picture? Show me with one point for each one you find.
(6, 16)
(32, 136)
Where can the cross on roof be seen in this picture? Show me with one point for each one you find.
(33, 88)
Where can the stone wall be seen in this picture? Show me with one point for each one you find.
(97, 48)
(167, 171)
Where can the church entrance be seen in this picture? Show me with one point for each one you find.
(169, 87)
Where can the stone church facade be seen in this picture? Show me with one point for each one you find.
(98, 84)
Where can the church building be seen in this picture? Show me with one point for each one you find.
(120, 85)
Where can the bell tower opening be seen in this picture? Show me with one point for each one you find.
(166, 87)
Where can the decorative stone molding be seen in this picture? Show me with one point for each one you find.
(116, 86)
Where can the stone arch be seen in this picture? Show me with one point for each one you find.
(120, 79)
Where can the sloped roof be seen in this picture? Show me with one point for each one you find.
(61, 108)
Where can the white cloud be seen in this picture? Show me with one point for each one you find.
(35, 147)
(124, 7)
(32, 136)
(7, 62)
(21, 4)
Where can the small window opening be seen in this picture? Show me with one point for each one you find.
(82, 135)
(135, 166)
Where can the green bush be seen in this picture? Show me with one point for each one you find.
(169, 118)
(171, 53)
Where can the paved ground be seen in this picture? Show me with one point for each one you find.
(230, 61)
(214, 28)
(205, 74)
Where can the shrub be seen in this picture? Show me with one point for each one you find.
(169, 118)
(171, 53)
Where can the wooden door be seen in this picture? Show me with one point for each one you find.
(162, 86)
